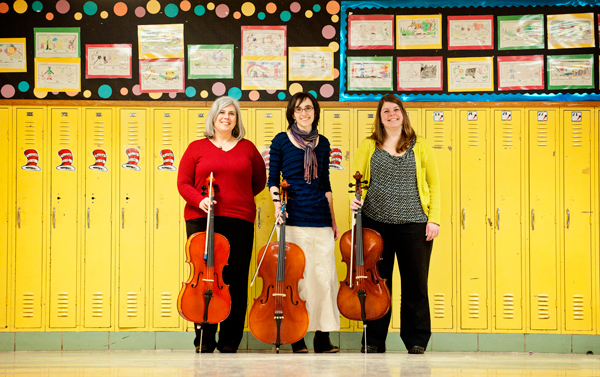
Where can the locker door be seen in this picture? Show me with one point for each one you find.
(474, 227)
(245, 116)
(578, 183)
(364, 126)
(132, 264)
(5, 187)
(438, 131)
(414, 115)
(543, 208)
(509, 233)
(31, 165)
(98, 256)
(167, 250)
(64, 235)
(336, 128)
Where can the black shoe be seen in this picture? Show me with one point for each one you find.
(204, 349)
(322, 344)
(299, 347)
(373, 349)
(416, 350)
(228, 349)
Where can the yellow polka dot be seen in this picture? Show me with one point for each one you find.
(204, 94)
(334, 46)
(20, 7)
(210, 6)
(104, 15)
(87, 94)
(335, 18)
(295, 88)
(308, 14)
(248, 9)
(40, 93)
(78, 16)
(153, 6)
(155, 95)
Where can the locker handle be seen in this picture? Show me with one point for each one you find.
(88, 217)
(258, 217)
(463, 218)
(19, 217)
(532, 218)
(568, 218)
(54, 217)
(123, 218)
(157, 218)
(498, 218)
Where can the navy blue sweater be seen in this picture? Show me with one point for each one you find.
(307, 204)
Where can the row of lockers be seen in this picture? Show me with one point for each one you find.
(94, 233)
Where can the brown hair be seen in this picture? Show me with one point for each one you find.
(379, 134)
(296, 100)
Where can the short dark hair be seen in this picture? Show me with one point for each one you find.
(296, 100)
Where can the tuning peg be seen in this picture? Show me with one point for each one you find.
(276, 193)
(365, 182)
(351, 185)
(204, 187)
(351, 191)
(216, 188)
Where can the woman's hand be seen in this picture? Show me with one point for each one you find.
(336, 231)
(278, 212)
(355, 204)
(431, 231)
(205, 203)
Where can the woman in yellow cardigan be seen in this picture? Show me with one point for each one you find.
(403, 205)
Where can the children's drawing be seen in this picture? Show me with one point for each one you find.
(13, 56)
(210, 61)
(263, 73)
(570, 72)
(521, 72)
(108, 61)
(311, 63)
(370, 32)
(162, 75)
(420, 73)
(470, 32)
(470, 74)
(370, 73)
(521, 32)
(263, 41)
(571, 30)
(419, 32)
(57, 42)
(59, 75)
(160, 41)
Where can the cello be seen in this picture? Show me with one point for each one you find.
(363, 295)
(204, 298)
(279, 316)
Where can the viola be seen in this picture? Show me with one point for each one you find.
(278, 316)
(363, 295)
(204, 298)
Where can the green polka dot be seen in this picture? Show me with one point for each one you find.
(90, 8)
(37, 6)
(281, 96)
(285, 16)
(23, 86)
(317, 7)
(235, 93)
(105, 91)
(313, 93)
(261, 15)
(190, 91)
(171, 10)
(199, 10)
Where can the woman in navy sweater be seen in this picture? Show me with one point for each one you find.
(301, 157)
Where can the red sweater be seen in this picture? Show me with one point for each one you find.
(239, 173)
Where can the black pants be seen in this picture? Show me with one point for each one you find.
(406, 242)
(240, 234)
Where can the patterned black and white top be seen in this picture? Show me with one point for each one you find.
(393, 195)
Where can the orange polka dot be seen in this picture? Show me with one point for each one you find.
(271, 8)
(237, 15)
(185, 5)
(49, 16)
(333, 7)
(124, 91)
(4, 8)
(120, 9)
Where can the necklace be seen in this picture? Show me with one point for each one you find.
(224, 144)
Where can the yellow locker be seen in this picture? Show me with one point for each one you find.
(167, 243)
(438, 127)
(64, 202)
(579, 178)
(30, 242)
(414, 115)
(543, 209)
(509, 234)
(98, 258)
(5, 178)
(336, 126)
(132, 263)
(364, 126)
(245, 117)
(473, 259)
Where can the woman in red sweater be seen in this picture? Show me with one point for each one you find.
(239, 171)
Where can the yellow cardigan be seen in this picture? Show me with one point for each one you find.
(428, 181)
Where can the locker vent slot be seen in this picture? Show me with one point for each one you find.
(507, 136)
(577, 136)
(268, 134)
(98, 134)
(97, 304)
(132, 304)
(63, 304)
(30, 133)
(543, 309)
(166, 304)
(28, 298)
(473, 305)
(167, 134)
(542, 136)
(64, 134)
(473, 136)
(439, 136)
(578, 309)
(509, 306)
(439, 305)
(337, 135)
(133, 133)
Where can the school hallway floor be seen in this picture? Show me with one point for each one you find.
(287, 364)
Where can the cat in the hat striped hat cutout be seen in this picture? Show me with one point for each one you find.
(33, 159)
(134, 159)
(67, 160)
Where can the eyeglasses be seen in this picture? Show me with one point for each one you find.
(308, 109)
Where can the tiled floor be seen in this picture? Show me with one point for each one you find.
(286, 364)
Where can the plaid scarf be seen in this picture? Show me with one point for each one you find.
(307, 141)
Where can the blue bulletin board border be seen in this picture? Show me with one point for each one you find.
(479, 97)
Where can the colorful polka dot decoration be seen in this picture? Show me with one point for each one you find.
(171, 10)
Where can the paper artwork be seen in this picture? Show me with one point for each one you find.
(210, 61)
(162, 75)
(420, 73)
(160, 41)
(470, 32)
(419, 32)
(58, 75)
(263, 40)
(571, 30)
(521, 32)
(370, 73)
(570, 71)
(57, 42)
(263, 73)
(370, 32)
(108, 61)
(13, 55)
(311, 63)
(521, 72)
(470, 74)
